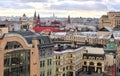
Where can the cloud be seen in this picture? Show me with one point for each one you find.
(34, 0)
(116, 6)
(89, 5)
(14, 5)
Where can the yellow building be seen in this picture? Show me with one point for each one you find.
(93, 60)
(68, 62)
(111, 19)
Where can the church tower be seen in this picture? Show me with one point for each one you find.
(34, 19)
(38, 21)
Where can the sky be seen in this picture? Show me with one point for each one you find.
(61, 8)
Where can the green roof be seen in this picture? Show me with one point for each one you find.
(111, 46)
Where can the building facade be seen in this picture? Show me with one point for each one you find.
(93, 60)
(26, 54)
(68, 62)
(111, 19)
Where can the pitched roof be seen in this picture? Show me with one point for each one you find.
(106, 28)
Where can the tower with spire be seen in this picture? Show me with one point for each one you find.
(34, 19)
(38, 21)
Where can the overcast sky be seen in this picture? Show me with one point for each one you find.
(61, 8)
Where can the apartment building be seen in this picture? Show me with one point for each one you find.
(68, 61)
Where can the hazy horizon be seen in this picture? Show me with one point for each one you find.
(61, 8)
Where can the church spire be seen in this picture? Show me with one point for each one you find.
(38, 20)
(35, 15)
(54, 18)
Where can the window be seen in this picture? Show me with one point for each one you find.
(49, 72)
(42, 73)
(42, 63)
(99, 64)
(85, 63)
(85, 57)
(57, 69)
(17, 63)
(13, 45)
(63, 68)
(71, 67)
(50, 61)
(58, 57)
(66, 67)
(70, 61)
(47, 61)
(91, 63)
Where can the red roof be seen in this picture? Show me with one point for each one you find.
(39, 29)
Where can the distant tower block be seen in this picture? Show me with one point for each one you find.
(69, 21)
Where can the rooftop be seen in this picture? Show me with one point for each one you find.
(111, 46)
(69, 50)
(29, 36)
(94, 50)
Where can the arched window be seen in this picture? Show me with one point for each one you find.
(91, 63)
(85, 57)
(64, 74)
(99, 64)
(85, 63)
(13, 45)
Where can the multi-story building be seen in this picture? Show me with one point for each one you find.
(93, 60)
(68, 62)
(111, 19)
(25, 54)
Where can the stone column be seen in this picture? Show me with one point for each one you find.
(95, 66)
(74, 73)
(103, 68)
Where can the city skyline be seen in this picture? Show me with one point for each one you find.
(61, 8)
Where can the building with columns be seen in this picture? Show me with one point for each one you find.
(111, 19)
(93, 60)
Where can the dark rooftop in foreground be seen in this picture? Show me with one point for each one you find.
(29, 36)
